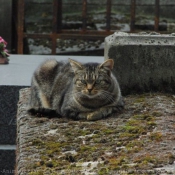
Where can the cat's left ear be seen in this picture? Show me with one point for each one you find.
(108, 64)
(75, 65)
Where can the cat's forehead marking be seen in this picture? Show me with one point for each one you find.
(90, 72)
(93, 76)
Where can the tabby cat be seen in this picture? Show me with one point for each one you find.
(80, 91)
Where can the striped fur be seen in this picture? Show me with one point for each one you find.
(80, 91)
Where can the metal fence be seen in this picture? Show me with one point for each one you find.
(83, 33)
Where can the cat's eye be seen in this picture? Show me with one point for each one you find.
(97, 81)
(103, 82)
(83, 81)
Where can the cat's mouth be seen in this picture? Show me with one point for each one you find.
(90, 94)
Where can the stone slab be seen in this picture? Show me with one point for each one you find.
(143, 62)
(9, 96)
(21, 67)
(8, 134)
(7, 162)
(139, 140)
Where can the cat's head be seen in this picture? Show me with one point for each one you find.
(91, 79)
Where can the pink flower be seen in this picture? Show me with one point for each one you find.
(3, 45)
(3, 41)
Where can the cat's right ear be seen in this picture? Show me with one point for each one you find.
(75, 65)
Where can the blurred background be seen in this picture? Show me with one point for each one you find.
(78, 27)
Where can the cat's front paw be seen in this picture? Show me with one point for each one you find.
(82, 115)
(94, 116)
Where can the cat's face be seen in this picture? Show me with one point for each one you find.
(91, 83)
(92, 79)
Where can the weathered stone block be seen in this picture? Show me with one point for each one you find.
(143, 62)
(143, 132)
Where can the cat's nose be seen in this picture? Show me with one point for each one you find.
(89, 87)
(89, 90)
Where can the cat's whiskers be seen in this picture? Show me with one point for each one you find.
(107, 96)
(106, 92)
(109, 99)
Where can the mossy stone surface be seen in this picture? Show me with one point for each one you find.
(139, 139)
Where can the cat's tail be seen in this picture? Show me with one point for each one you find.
(43, 112)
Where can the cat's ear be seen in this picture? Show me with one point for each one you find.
(108, 64)
(75, 65)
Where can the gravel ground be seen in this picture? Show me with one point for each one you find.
(139, 140)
